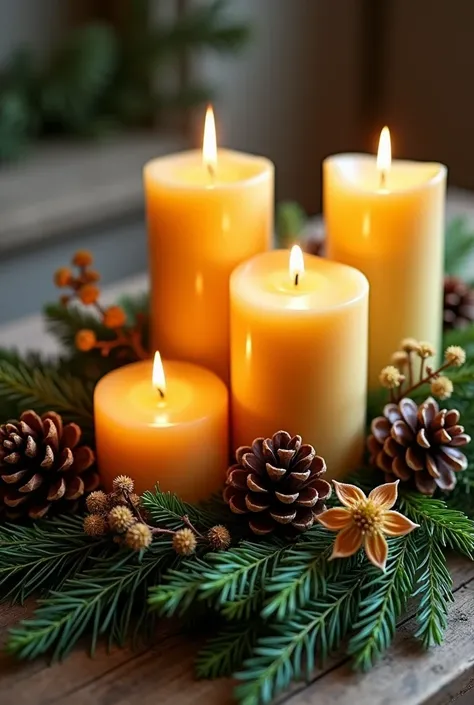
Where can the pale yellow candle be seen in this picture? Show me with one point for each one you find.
(207, 213)
(299, 354)
(387, 219)
(170, 428)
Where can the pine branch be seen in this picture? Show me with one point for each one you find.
(218, 579)
(434, 588)
(65, 321)
(383, 599)
(226, 652)
(43, 556)
(449, 527)
(101, 600)
(289, 649)
(459, 244)
(302, 574)
(46, 390)
(167, 509)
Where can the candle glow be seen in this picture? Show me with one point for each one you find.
(209, 143)
(384, 155)
(296, 264)
(158, 375)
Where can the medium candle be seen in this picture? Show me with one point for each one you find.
(299, 354)
(387, 219)
(168, 426)
(207, 212)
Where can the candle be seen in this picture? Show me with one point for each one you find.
(207, 213)
(387, 219)
(169, 429)
(299, 354)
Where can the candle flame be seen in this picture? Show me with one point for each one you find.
(296, 263)
(209, 143)
(384, 154)
(158, 377)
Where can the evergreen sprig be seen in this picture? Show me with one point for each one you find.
(167, 509)
(225, 653)
(383, 599)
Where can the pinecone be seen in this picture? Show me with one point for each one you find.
(419, 445)
(277, 482)
(458, 303)
(42, 466)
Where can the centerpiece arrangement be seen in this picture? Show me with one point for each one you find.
(303, 521)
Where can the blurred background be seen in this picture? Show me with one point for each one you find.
(91, 89)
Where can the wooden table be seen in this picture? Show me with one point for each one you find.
(163, 674)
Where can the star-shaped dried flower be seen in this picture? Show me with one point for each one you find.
(365, 521)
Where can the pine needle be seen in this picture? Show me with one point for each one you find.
(225, 653)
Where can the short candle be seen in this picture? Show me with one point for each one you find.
(299, 354)
(207, 212)
(163, 423)
(386, 218)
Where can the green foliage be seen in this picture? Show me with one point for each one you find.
(42, 556)
(289, 649)
(109, 598)
(65, 321)
(226, 652)
(167, 509)
(290, 219)
(383, 600)
(459, 244)
(101, 78)
(434, 589)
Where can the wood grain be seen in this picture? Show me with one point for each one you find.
(164, 674)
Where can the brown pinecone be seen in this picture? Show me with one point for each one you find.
(277, 482)
(419, 445)
(458, 303)
(43, 467)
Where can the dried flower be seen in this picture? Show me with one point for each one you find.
(85, 340)
(123, 483)
(426, 350)
(95, 525)
(82, 258)
(120, 519)
(63, 277)
(88, 294)
(442, 387)
(64, 300)
(400, 358)
(455, 355)
(114, 317)
(365, 520)
(138, 536)
(184, 542)
(90, 276)
(409, 345)
(219, 538)
(97, 502)
(135, 499)
(391, 377)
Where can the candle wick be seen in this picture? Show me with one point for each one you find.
(383, 178)
(297, 278)
(160, 392)
(211, 171)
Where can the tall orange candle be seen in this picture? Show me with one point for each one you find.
(299, 354)
(167, 424)
(207, 212)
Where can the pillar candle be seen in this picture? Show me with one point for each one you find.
(389, 223)
(173, 432)
(299, 354)
(207, 212)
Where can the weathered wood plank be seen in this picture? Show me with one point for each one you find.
(164, 673)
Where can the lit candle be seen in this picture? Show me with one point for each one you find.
(299, 354)
(163, 423)
(207, 212)
(387, 219)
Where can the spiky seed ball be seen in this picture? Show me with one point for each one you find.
(120, 519)
(442, 387)
(455, 355)
(88, 294)
(95, 525)
(426, 350)
(97, 502)
(63, 277)
(184, 542)
(82, 258)
(409, 345)
(138, 536)
(135, 499)
(123, 483)
(391, 377)
(85, 340)
(219, 538)
(114, 317)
